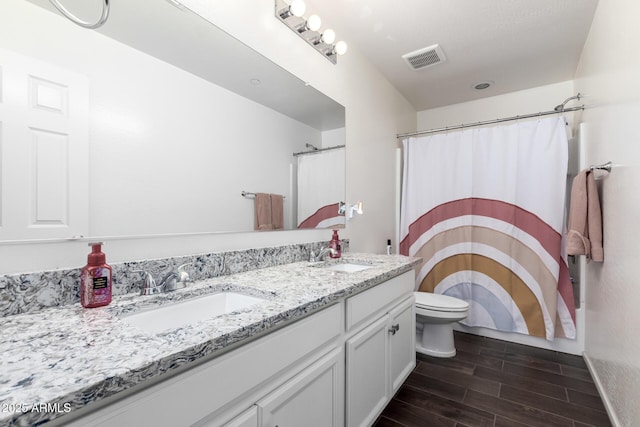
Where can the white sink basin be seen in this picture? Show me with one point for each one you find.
(348, 267)
(182, 313)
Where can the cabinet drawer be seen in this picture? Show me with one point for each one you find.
(364, 305)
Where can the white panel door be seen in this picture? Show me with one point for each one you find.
(44, 138)
(367, 373)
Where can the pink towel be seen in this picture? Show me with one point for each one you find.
(269, 209)
(262, 207)
(277, 211)
(584, 235)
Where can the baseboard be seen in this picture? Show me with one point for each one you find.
(563, 345)
(603, 395)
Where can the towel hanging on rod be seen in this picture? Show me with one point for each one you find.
(269, 211)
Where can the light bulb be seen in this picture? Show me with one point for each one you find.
(297, 8)
(314, 22)
(340, 48)
(329, 36)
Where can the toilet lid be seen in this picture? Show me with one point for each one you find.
(440, 302)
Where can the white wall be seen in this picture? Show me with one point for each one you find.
(609, 76)
(375, 113)
(331, 138)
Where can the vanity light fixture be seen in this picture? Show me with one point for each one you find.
(292, 15)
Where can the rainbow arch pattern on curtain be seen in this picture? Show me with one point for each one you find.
(484, 208)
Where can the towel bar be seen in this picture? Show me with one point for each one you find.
(248, 194)
(604, 167)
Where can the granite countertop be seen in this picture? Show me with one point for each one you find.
(62, 359)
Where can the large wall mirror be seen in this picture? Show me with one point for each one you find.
(176, 119)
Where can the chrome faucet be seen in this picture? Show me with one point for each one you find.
(172, 281)
(321, 254)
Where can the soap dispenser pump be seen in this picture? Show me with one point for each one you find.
(95, 279)
(334, 245)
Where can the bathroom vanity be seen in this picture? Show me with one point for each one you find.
(323, 344)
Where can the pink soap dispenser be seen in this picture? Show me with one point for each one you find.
(335, 245)
(95, 279)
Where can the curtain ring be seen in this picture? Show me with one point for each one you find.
(84, 24)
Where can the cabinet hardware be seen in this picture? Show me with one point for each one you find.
(395, 328)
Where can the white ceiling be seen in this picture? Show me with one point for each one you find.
(517, 44)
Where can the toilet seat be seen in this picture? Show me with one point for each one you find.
(438, 302)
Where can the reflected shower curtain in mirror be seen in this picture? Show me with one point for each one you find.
(321, 186)
(484, 208)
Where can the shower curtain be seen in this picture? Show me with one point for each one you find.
(321, 187)
(484, 208)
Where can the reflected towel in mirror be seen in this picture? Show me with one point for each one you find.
(269, 211)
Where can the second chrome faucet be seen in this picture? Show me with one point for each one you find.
(321, 254)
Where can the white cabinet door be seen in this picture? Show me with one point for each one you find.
(402, 354)
(367, 377)
(313, 398)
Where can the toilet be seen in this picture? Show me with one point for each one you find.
(435, 316)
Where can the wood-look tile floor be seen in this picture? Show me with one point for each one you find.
(497, 383)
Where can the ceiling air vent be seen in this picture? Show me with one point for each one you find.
(426, 57)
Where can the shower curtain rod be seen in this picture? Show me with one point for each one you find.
(488, 122)
(317, 150)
